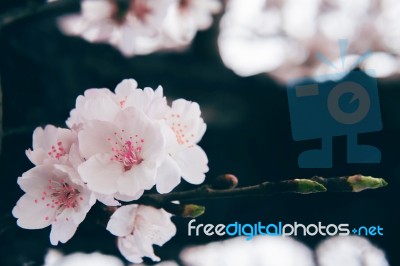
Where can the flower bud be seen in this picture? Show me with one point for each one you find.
(227, 181)
(185, 210)
(306, 186)
(360, 182)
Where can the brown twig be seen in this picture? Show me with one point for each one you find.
(38, 9)
(354, 183)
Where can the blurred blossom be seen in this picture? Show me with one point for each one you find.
(282, 37)
(55, 258)
(262, 250)
(285, 251)
(138, 227)
(185, 18)
(131, 28)
(349, 251)
(140, 26)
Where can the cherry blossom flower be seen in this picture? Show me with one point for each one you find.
(95, 104)
(138, 227)
(141, 26)
(261, 251)
(102, 104)
(260, 36)
(131, 29)
(75, 160)
(185, 18)
(182, 126)
(185, 158)
(149, 101)
(50, 144)
(54, 195)
(350, 251)
(56, 258)
(122, 156)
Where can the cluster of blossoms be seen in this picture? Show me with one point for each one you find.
(117, 146)
(141, 26)
(273, 36)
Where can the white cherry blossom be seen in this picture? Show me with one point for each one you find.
(149, 101)
(54, 195)
(102, 104)
(185, 158)
(129, 28)
(138, 228)
(122, 156)
(185, 18)
(181, 124)
(50, 144)
(56, 258)
(95, 104)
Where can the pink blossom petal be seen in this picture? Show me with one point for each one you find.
(137, 179)
(185, 120)
(98, 31)
(96, 104)
(193, 163)
(121, 222)
(126, 87)
(123, 197)
(101, 174)
(155, 225)
(96, 137)
(168, 175)
(107, 200)
(150, 226)
(63, 228)
(35, 181)
(129, 249)
(31, 214)
(36, 156)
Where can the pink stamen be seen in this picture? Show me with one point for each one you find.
(127, 152)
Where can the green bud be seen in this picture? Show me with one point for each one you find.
(307, 186)
(360, 182)
(192, 210)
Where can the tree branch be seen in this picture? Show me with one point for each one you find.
(354, 183)
(38, 9)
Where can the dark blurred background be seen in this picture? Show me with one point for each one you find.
(249, 135)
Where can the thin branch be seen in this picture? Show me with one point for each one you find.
(354, 183)
(38, 9)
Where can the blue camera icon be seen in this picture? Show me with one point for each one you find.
(336, 108)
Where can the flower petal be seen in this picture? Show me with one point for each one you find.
(96, 104)
(155, 225)
(32, 215)
(95, 138)
(168, 175)
(107, 200)
(35, 181)
(121, 222)
(101, 174)
(129, 249)
(139, 178)
(193, 163)
(63, 228)
(126, 87)
(123, 197)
